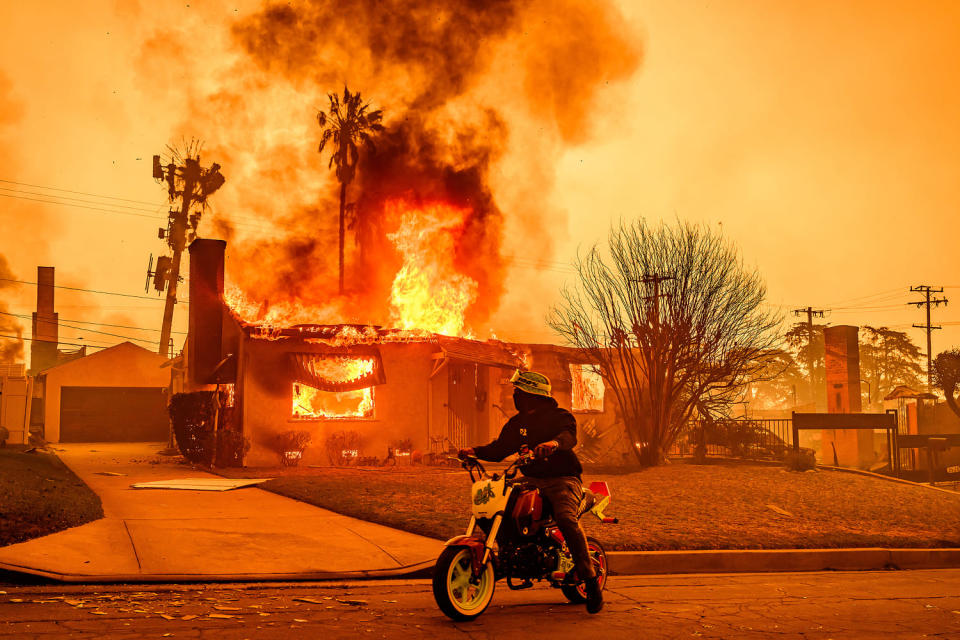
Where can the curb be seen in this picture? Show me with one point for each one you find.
(779, 560)
(422, 569)
(621, 563)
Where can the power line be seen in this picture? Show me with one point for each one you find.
(106, 293)
(72, 344)
(68, 204)
(99, 324)
(885, 293)
(58, 324)
(82, 193)
(153, 209)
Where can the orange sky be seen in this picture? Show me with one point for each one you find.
(822, 136)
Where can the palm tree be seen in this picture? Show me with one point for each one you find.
(347, 123)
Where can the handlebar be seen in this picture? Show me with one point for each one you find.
(524, 457)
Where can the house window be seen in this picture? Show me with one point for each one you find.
(587, 388)
(313, 404)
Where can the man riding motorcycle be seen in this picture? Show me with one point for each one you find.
(551, 432)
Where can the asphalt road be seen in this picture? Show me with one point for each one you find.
(887, 604)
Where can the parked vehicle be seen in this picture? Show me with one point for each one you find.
(512, 535)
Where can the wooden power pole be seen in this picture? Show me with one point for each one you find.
(811, 313)
(928, 302)
(191, 184)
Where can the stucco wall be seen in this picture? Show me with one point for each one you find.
(13, 406)
(400, 406)
(125, 365)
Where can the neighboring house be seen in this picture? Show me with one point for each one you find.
(381, 386)
(114, 395)
(15, 389)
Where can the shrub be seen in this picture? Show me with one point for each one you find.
(343, 448)
(192, 415)
(290, 445)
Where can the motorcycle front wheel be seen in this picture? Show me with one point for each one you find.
(456, 595)
(577, 593)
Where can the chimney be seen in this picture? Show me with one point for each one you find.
(204, 341)
(46, 334)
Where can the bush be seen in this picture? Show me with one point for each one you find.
(802, 460)
(343, 448)
(290, 445)
(192, 415)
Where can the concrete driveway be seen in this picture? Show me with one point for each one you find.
(172, 535)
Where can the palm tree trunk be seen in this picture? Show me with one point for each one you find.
(343, 204)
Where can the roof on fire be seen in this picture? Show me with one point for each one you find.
(489, 353)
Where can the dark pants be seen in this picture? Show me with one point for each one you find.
(564, 495)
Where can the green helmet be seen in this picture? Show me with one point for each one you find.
(531, 382)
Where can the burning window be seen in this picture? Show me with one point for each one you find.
(587, 388)
(334, 385)
(310, 403)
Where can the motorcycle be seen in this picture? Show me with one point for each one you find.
(512, 535)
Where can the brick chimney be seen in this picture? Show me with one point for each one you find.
(46, 334)
(205, 337)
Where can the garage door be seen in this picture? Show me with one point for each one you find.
(113, 414)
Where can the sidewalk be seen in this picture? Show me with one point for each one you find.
(159, 535)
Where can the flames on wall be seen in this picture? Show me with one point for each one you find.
(310, 403)
(588, 388)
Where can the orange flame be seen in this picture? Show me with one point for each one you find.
(588, 388)
(428, 292)
(313, 403)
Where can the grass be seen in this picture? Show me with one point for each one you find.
(40, 495)
(677, 506)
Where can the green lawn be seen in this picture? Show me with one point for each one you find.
(40, 495)
(677, 506)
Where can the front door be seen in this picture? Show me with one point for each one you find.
(462, 403)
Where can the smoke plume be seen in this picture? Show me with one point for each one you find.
(475, 94)
(11, 350)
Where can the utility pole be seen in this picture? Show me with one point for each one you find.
(655, 280)
(811, 314)
(191, 183)
(927, 302)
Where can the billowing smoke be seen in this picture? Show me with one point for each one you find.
(11, 350)
(475, 94)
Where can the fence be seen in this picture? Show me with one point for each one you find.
(765, 438)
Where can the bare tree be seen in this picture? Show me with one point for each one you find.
(675, 323)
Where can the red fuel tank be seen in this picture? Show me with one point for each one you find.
(528, 512)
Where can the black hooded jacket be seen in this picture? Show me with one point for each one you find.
(547, 421)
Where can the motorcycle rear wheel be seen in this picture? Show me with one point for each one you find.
(456, 596)
(577, 593)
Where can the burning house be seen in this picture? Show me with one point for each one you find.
(382, 386)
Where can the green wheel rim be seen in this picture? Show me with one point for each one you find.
(463, 594)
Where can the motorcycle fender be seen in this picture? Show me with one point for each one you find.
(476, 546)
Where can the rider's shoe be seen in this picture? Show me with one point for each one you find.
(594, 595)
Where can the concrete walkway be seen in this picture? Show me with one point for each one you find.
(158, 535)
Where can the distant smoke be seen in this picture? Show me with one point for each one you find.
(10, 350)
(458, 83)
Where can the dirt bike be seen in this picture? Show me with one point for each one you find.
(512, 535)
